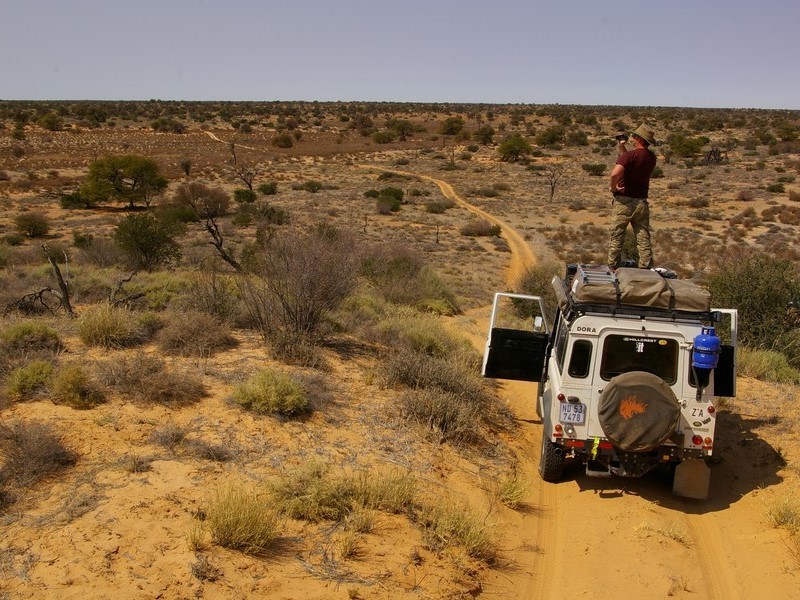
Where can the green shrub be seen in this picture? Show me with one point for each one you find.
(658, 173)
(283, 140)
(438, 207)
(269, 188)
(776, 188)
(480, 228)
(148, 241)
(764, 289)
(537, 281)
(74, 200)
(400, 276)
(408, 328)
(596, 170)
(242, 519)
(72, 386)
(29, 381)
(383, 136)
(311, 186)
(514, 148)
(109, 327)
(244, 196)
(26, 337)
(32, 224)
(272, 392)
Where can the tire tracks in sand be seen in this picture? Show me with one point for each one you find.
(537, 570)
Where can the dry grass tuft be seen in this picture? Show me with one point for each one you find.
(784, 512)
(445, 526)
(512, 490)
(109, 327)
(450, 416)
(242, 519)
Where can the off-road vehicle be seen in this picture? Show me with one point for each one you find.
(628, 368)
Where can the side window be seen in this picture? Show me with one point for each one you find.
(581, 359)
(561, 343)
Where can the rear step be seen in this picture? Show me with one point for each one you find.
(595, 469)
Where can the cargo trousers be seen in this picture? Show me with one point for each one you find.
(636, 212)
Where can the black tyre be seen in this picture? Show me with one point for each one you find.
(551, 461)
(638, 411)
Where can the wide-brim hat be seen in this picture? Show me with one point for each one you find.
(645, 133)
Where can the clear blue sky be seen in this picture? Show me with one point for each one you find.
(705, 53)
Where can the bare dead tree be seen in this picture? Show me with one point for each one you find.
(35, 302)
(554, 173)
(62, 285)
(242, 172)
(218, 242)
(116, 297)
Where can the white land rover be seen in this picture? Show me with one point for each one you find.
(628, 372)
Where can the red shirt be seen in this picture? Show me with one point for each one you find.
(638, 164)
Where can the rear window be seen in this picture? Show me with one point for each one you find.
(625, 353)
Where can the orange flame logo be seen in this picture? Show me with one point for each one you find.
(631, 406)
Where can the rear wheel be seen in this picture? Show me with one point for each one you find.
(551, 460)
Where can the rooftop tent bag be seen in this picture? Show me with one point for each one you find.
(595, 284)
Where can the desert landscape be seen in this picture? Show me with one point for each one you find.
(241, 343)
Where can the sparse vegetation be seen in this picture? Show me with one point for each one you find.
(272, 392)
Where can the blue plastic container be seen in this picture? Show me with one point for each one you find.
(706, 349)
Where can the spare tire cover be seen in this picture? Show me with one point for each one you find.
(638, 411)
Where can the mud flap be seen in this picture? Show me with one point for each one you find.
(692, 478)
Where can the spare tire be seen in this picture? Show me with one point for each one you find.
(638, 411)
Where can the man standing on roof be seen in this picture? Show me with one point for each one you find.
(630, 184)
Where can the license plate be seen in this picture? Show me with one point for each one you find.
(573, 413)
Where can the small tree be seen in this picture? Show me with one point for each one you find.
(513, 148)
(204, 200)
(484, 135)
(554, 173)
(148, 241)
(51, 121)
(402, 128)
(296, 280)
(129, 178)
(32, 224)
(451, 126)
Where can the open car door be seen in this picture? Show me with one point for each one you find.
(725, 373)
(516, 347)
